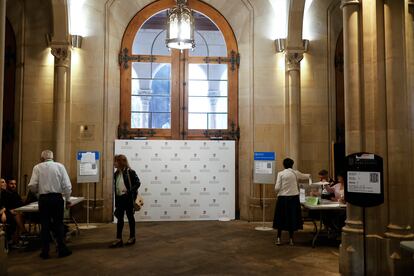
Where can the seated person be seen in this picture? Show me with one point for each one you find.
(338, 190)
(3, 184)
(12, 200)
(323, 177)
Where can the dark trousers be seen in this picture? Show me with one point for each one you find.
(124, 204)
(51, 218)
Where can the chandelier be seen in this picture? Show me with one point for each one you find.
(180, 27)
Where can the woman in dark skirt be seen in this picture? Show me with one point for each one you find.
(288, 216)
(126, 184)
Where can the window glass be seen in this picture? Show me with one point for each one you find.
(150, 39)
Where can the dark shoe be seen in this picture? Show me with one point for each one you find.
(131, 241)
(116, 243)
(64, 253)
(44, 255)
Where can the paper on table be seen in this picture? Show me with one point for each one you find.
(302, 196)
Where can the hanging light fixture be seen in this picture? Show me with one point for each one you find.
(180, 27)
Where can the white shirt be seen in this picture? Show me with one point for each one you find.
(287, 182)
(50, 177)
(120, 185)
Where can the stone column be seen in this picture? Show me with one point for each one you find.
(351, 259)
(400, 188)
(2, 51)
(62, 58)
(293, 70)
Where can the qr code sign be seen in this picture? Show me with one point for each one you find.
(373, 177)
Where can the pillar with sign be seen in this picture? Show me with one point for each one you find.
(364, 184)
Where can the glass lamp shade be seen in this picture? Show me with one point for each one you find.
(180, 28)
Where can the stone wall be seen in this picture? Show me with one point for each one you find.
(95, 83)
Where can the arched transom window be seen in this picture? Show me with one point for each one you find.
(176, 94)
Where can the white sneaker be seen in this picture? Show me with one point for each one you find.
(278, 242)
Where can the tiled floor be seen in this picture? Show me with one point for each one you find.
(183, 248)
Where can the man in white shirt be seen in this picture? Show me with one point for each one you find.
(50, 180)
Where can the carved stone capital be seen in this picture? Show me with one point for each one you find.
(349, 2)
(293, 61)
(61, 55)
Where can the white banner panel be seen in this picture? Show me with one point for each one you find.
(183, 180)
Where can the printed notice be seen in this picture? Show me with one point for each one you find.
(263, 167)
(88, 164)
(364, 182)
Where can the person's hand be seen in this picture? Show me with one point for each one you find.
(13, 212)
(3, 217)
(68, 204)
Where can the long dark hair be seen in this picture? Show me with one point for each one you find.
(122, 162)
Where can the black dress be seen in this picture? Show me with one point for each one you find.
(288, 214)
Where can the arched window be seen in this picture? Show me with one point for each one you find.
(178, 95)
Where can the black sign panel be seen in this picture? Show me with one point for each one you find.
(364, 182)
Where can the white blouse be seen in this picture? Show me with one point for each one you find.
(287, 182)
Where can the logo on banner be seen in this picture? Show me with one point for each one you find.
(223, 169)
(185, 146)
(155, 204)
(223, 146)
(176, 157)
(195, 157)
(185, 169)
(165, 169)
(186, 192)
(145, 215)
(155, 181)
(185, 215)
(204, 191)
(165, 215)
(165, 193)
(146, 146)
(214, 203)
(205, 169)
(146, 192)
(156, 157)
(224, 191)
(126, 146)
(214, 180)
(204, 215)
(223, 214)
(136, 158)
(175, 204)
(195, 203)
(214, 158)
(146, 169)
(195, 180)
(166, 146)
(175, 180)
(204, 146)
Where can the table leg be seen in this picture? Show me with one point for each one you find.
(318, 230)
(76, 224)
